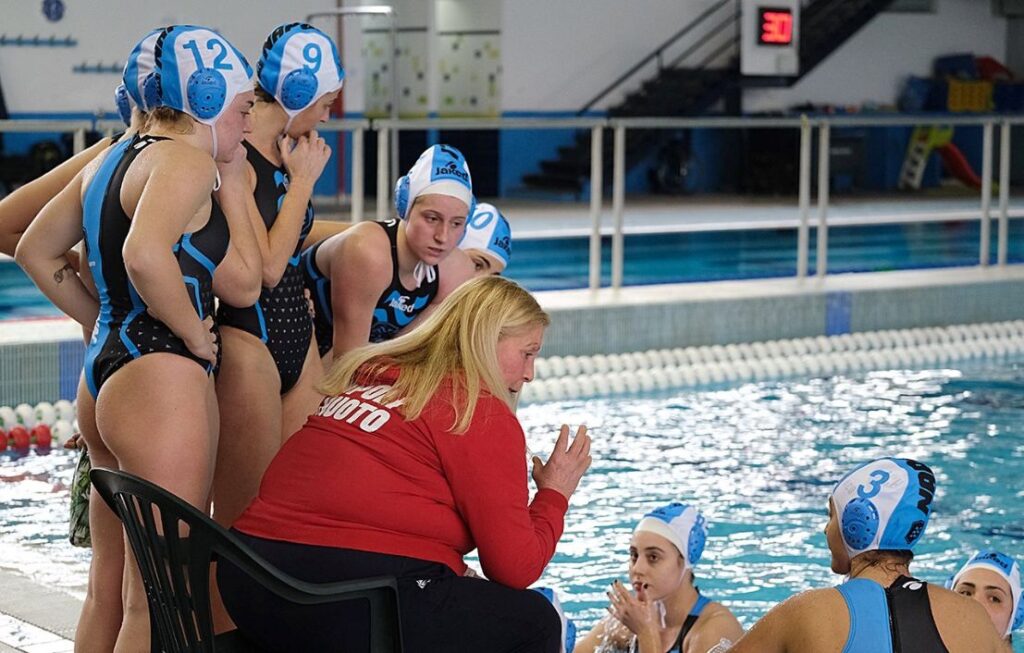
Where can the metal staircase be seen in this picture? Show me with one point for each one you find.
(693, 82)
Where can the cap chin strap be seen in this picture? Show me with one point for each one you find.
(213, 131)
(423, 272)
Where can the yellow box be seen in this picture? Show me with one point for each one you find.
(967, 96)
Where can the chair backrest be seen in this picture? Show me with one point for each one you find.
(174, 544)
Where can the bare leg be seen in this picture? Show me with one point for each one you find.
(152, 415)
(302, 400)
(100, 619)
(249, 398)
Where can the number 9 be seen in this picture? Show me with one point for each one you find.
(313, 55)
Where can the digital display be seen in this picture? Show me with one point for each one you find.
(775, 26)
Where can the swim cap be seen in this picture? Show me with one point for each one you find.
(199, 72)
(1006, 567)
(440, 170)
(141, 63)
(568, 625)
(299, 65)
(884, 504)
(680, 524)
(488, 231)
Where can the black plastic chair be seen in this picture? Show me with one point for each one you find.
(176, 570)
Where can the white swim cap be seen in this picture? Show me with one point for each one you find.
(440, 170)
(884, 504)
(199, 72)
(488, 231)
(1006, 567)
(682, 525)
(140, 65)
(299, 65)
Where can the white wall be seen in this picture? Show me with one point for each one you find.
(40, 79)
(873, 64)
(555, 54)
(560, 53)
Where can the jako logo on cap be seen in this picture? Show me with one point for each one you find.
(299, 64)
(884, 504)
(200, 72)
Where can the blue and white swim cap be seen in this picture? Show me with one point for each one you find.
(199, 72)
(440, 170)
(884, 504)
(299, 65)
(568, 625)
(488, 231)
(1006, 567)
(682, 525)
(140, 65)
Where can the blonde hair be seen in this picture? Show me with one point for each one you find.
(458, 342)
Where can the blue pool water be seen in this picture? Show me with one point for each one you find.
(759, 459)
(560, 263)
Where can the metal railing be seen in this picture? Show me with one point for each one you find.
(658, 54)
(620, 128)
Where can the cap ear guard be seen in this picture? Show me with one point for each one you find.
(298, 89)
(1018, 617)
(151, 91)
(402, 196)
(207, 90)
(860, 523)
(695, 547)
(123, 103)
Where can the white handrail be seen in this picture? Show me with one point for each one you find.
(620, 127)
(618, 202)
(986, 195)
(824, 136)
(803, 231)
(1004, 192)
(596, 184)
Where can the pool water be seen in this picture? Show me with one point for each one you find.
(561, 263)
(758, 459)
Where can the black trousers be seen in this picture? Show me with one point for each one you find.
(439, 610)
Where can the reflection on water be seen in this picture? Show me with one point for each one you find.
(758, 459)
(34, 519)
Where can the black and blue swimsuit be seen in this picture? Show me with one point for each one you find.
(280, 318)
(395, 309)
(890, 619)
(125, 330)
(691, 619)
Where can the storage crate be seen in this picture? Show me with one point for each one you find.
(969, 96)
(1009, 96)
(960, 66)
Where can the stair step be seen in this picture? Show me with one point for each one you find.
(553, 182)
(565, 168)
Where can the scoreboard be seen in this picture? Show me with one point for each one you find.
(770, 37)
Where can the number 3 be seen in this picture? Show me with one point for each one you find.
(879, 476)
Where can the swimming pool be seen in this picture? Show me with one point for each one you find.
(562, 263)
(759, 459)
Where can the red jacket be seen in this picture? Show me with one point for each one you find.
(359, 476)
